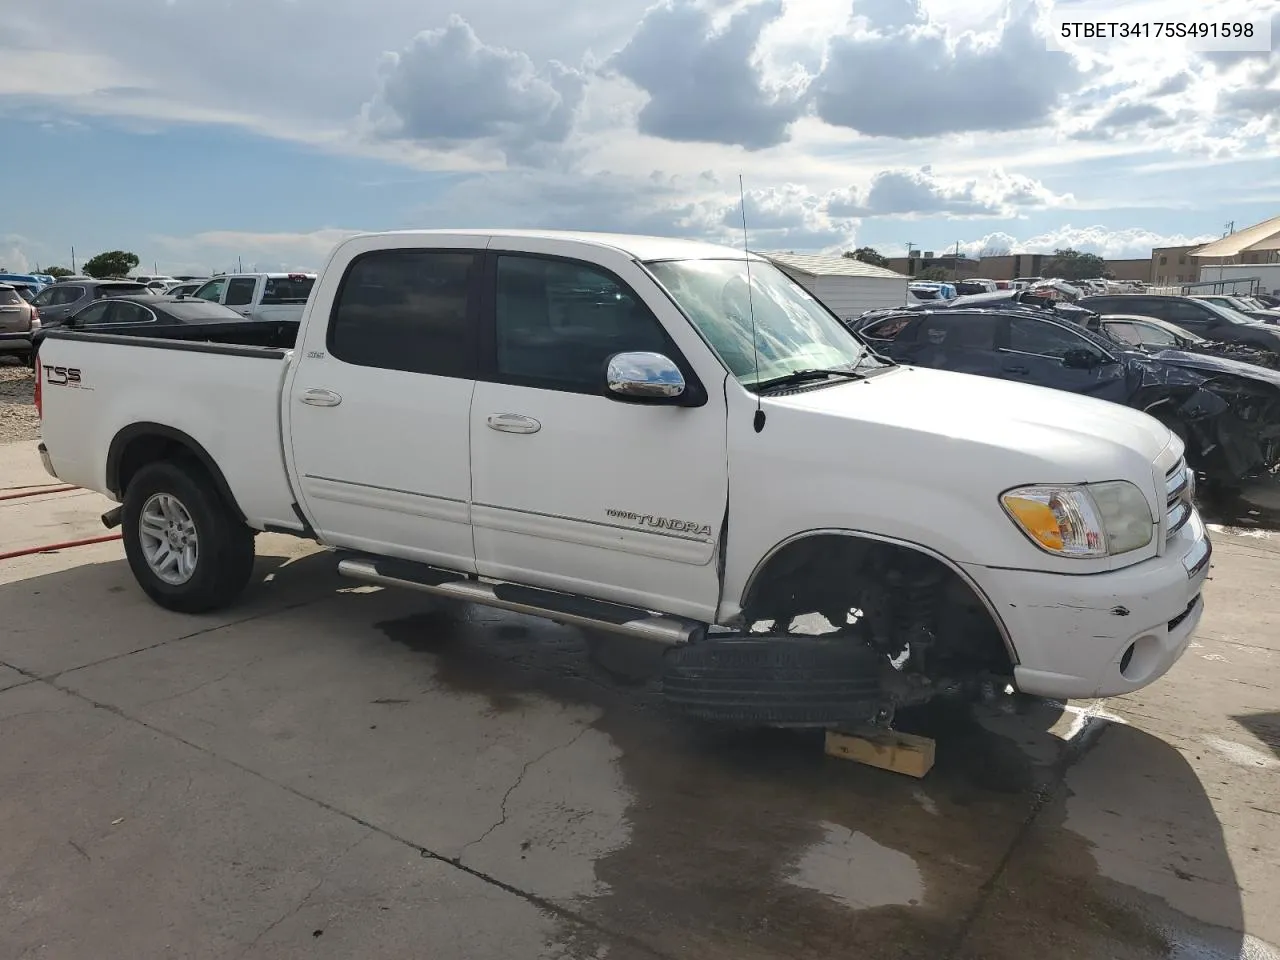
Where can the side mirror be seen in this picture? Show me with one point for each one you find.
(1081, 360)
(71, 323)
(643, 378)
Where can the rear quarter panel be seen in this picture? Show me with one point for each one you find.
(229, 404)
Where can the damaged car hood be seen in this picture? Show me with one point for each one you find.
(1215, 366)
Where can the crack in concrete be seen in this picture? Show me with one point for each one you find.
(1074, 751)
(524, 770)
(542, 903)
(201, 685)
(306, 898)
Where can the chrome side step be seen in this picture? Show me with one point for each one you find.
(562, 607)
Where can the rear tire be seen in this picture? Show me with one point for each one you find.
(791, 682)
(186, 547)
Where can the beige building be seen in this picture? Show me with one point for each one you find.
(958, 268)
(1136, 269)
(1171, 266)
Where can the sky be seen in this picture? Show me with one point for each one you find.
(207, 134)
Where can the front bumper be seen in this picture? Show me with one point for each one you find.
(1107, 634)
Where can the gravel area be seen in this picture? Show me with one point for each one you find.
(18, 420)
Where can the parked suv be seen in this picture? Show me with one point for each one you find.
(1202, 317)
(19, 321)
(61, 300)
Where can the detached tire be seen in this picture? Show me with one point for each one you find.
(187, 549)
(792, 682)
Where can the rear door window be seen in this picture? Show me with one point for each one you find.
(240, 291)
(410, 310)
(887, 330)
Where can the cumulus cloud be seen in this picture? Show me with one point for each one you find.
(788, 217)
(449, 89)
(894, 73)
(703, 82)
(915, 193)
(1130, 242)
(1126, 119)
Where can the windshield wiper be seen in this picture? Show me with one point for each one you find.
(808, 376)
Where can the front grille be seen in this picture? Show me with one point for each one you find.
(1179, 485)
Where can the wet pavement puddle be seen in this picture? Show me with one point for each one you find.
(676, 840)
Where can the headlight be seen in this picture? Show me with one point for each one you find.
(1092, 520)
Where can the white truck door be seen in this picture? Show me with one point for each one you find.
(379, 401)
(573, 490)
(241, 295)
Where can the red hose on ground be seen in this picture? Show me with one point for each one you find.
(52, 488)
(65, 544)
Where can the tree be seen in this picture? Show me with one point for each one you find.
(869, 255)
(59, 272)
(932, 273)
(1071, 264)
(113, 263)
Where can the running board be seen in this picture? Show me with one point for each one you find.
(561, 607)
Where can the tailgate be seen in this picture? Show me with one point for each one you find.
(14, 318)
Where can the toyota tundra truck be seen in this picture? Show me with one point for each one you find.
(660, 438)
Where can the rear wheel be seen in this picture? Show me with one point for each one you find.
(186, 548)
(775, 682)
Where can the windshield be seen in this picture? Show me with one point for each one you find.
(792, 330)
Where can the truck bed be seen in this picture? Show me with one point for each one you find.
(269, 334)
(215, 385)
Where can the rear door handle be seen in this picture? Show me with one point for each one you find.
(320, 398)
(513, 423)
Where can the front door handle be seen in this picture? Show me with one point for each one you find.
(513, 423)
(320, 398)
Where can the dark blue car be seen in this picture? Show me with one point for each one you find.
(1227, 412)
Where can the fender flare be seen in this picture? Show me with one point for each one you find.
(135, 431)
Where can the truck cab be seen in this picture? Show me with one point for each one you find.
(260, 296)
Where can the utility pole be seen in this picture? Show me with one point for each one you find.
(1231, 228)
(239, 266)
(911, 270)
(955, 263)
(73, 260)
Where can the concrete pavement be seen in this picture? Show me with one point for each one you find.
(333, 770)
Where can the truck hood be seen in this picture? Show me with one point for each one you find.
(1062, 436)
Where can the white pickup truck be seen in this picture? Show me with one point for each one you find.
(661, 438)
(260, 296)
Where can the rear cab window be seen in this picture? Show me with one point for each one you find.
(293, 289)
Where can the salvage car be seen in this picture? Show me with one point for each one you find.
(19, 323)
(64, 298)
(1152, 334)
(1226, 412)
(551, 423)
(1201, 317)
(148, 315)
(1246, 305)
